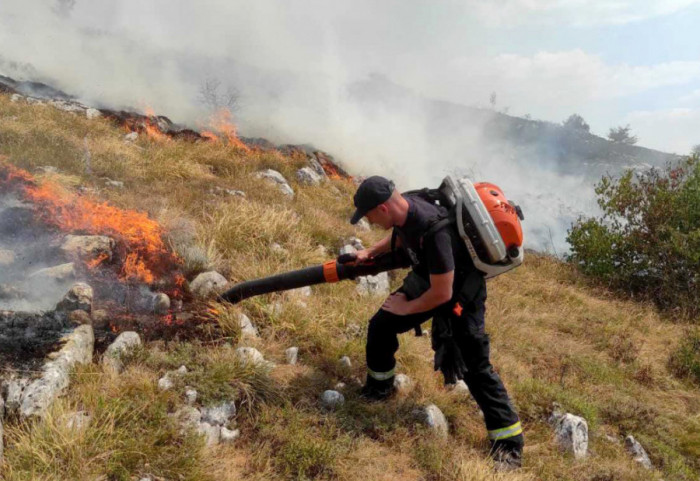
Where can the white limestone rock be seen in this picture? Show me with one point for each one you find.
(12, 391)
(460, 388)
(124, 343)
(77, 421)
(248, 330)
(55, 377)
(331, 399)
(278, 249)
(373, 285)
(88, 247)
(220, 414)
(638, 453)
(347, 249)
(251, 355)
(188, 417)
(190, 395)
(363, 225)
(402, 383)
(167, 382)
(307, 176)
(292, 355)
(161, 303)
(229, 435)
(131, 137)
(212, 434)
(345, 362)
(571, 433)
(58, 273)
(93, 114)
(207, 284)
(78, 297)
(277, 179)
(434, 419)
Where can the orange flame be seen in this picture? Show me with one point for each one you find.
(222, 122)
(91, 264)
(141, 237)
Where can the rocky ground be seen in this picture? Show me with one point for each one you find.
(269, 389)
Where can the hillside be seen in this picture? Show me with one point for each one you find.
(554, 339)
(566, 151)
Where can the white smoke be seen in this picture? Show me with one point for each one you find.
(310, 72)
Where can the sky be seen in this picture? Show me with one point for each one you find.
(614, 62)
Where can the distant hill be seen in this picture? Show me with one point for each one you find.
(567, 150)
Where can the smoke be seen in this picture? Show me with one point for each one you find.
(347, 77)
(27, 247)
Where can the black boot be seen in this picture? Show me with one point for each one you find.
(507, 454)
(374, 390)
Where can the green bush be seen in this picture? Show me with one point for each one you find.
(647, 242)
(685, 360)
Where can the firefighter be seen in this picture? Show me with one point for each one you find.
(443, 285)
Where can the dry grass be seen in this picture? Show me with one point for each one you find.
(554, 339)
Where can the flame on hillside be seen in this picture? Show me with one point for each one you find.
(222, 123)
(145, 255)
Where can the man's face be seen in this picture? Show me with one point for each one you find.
(380, 216)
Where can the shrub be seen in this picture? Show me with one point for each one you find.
(685, 360)
(647, 242)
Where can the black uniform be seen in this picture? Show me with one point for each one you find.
(439, 253)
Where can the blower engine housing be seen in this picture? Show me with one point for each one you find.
(488, 223)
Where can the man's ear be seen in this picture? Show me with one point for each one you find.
(384, 208)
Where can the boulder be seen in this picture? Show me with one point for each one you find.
(637, 451)
(433, 418)
(373, 285)
(167, 382)
(220, 414)
(131, 137)
(307, 176)
(79, 317)
(78, 297)
(292, 355)
(125, 342)
(58, 273)
(88, 247)
(161, 303)
(331, 399)
(55, 377)
(347, 249)
(277, 179)
(316, 166)
(571, 433)
(207, 284)
(115, 184)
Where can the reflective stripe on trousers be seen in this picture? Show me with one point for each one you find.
(381, 376)
(507, 432)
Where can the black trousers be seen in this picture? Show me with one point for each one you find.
(484, 384)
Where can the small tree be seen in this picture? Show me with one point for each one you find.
(215, 97)
(695, 150)
(576, 122)
(492, 100)
(648, 240)
(622, 135)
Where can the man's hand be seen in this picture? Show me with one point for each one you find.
(363, 256)
(397, 304)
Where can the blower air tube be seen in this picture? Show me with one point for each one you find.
(331, 271)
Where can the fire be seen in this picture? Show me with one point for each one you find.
(222, 122)
(145, 253)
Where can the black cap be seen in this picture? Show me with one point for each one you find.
(372, 191)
